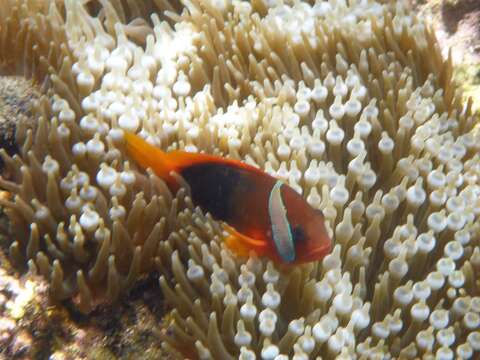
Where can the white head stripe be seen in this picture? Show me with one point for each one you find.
(281, 232)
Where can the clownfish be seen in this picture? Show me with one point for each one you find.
(260, 213)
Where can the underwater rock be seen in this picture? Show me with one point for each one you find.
(456, 28)
(16, 97)
(31, 328)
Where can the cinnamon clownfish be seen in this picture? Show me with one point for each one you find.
(261, 213)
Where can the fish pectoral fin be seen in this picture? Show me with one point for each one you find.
(241, 244)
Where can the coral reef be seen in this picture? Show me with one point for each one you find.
(350, 103)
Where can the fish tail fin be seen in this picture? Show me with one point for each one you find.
(149, 156)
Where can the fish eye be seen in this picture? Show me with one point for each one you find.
(298, 234)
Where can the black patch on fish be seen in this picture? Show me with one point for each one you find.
(298, 234)
(214, 185)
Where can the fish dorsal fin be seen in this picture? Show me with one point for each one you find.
(281, 231)
(183, 159)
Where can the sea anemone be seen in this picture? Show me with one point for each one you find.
(350, 103)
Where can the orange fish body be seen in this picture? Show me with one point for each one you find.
(261, 214)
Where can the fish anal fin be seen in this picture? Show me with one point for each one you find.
(242, 244)
(236, 246)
